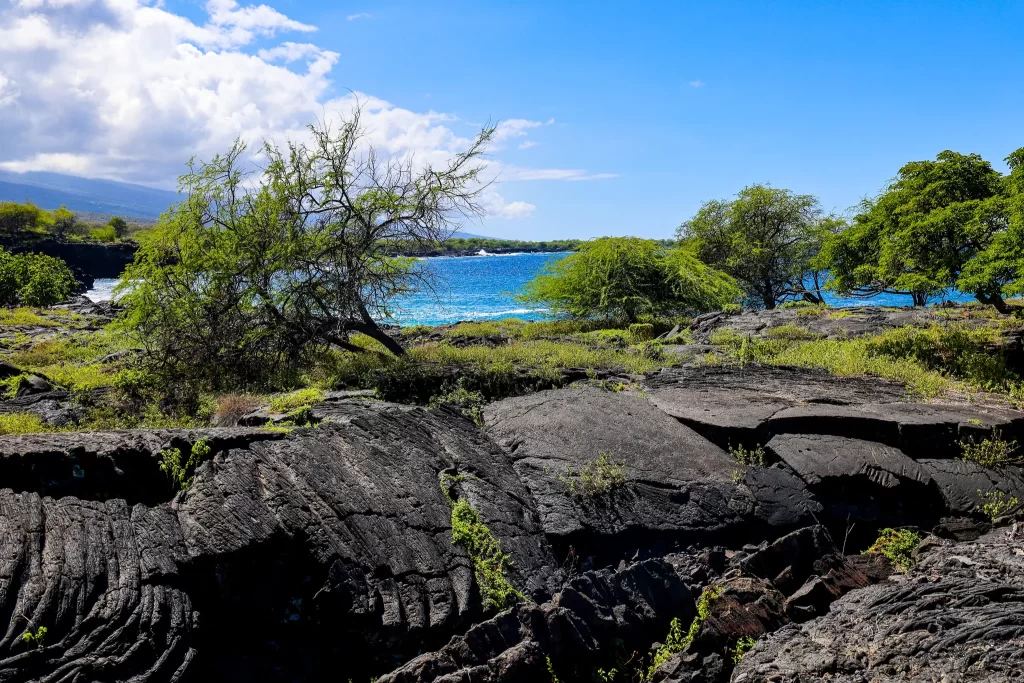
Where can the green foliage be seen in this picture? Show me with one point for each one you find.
(941, 224)
(676, 641)
(992, 452)
(63, 221)
(22, 423)
(252, 276)
(302, 398)
(897, 546)
(755, 457)
(742, 646)
(551, 670)
(34, 639)
(765, 238)
(181, 473)
(996, 504)
(9, 387)
(34, 279)
(119, 226)
(105, 234)
(16, 219)
(597, 477)
(626, 278)
(485, 553)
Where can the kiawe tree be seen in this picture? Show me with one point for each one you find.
(765, 238)
(627, 278)
(255, 272)
(923, 234)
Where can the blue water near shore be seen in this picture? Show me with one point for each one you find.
(484, 288)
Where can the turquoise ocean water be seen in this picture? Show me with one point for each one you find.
(484, 288)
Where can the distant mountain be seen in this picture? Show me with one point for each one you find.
(469, 235)
(50, 190)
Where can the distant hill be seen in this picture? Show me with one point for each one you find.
(50, 190)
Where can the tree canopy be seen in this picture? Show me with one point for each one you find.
(940, 224)
(628, 278)
(255, 271)
(34, 279)
(765, 238)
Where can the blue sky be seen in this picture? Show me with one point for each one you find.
(681, 101)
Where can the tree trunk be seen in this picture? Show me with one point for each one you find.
(993, 300)
(370, 328)
(920, 298)
(813, 298)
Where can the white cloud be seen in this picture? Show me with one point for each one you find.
(127, 90)
(528, 144)
(696, 84)
(361, 15)
(568, 174)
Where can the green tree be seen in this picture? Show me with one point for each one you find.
(765, 238)
(628, 278)
(918, 236)
(63, 221)
(119, 225)
(256, 272)
(19, 218)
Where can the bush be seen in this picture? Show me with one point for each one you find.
(676, 641)
(231, 407)
(34, 280)
(996, 504)
(22, 423)
(295, 400)
(105, 234)
(626, 278)
(897, 546)
(641, 332)
(993, 452)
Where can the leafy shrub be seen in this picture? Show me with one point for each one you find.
(34, 279)
(993, 452)
(791, 333)
(597, 477)
(996, 504)
(897, 546)
(181, 473)
(19, 218)
(469, 402)
(485, 554)
(810, 309)
(626, 278)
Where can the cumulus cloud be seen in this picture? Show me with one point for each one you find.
(127, 90)
(361, 15)
(528, 144)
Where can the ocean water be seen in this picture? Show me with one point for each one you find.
(484, 288)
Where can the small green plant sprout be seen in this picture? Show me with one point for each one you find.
(897, 545)
(597, 477)
(181, 473)
(975, 421)
(551, 670)
(484, 550)
(754, 457)
(606, 676)
(34, 639)
(677, 641)
(740, 649)
(992, 452)
(996, 504)
(468, 402)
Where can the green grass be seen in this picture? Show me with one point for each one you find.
(23, 423)
(24, 316)
(296, 400)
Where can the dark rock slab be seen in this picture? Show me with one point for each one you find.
(843, 575)
(962, 483)
(861, 480)
(735, 404)
(351, 529)
(678, 486)
(574, 632)
(957, 616)
(97, 576)
(789, 561)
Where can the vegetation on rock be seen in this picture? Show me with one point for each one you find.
(676, 641)
(992, 452)
(996, 504)
(897, 545)
(595, 478)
